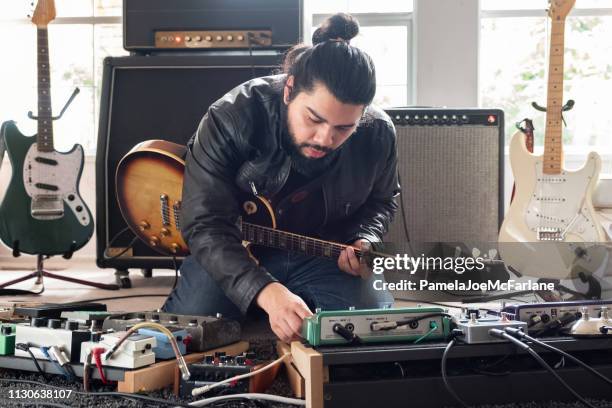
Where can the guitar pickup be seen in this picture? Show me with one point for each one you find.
(47, 207)
(550, 234)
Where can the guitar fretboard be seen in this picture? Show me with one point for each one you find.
(45, 126)
(266, 236)
(553, 139)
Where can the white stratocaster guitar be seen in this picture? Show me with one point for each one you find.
(551, 229)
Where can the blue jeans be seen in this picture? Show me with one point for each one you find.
(318, 281)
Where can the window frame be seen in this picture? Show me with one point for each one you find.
(571, 152)
(403, 19)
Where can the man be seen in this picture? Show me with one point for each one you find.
(309, 141)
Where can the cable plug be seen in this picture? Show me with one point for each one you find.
(515, 332)
(59, 355)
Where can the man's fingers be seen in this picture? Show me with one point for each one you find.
(352, 259)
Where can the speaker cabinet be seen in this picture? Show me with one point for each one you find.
(451, 164)
(162, 97)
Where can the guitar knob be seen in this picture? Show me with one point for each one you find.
(154, 241)
(144, 225)
(175, 247)
(164, 232)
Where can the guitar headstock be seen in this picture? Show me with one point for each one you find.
(44, 13)
(559, 9)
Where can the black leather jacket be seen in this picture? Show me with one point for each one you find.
(238, 143)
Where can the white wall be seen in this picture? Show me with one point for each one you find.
(446, 52)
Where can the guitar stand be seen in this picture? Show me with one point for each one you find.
(40, 273)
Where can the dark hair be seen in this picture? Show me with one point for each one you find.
(345, 70)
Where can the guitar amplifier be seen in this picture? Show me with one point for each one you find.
(196, 25)
(451, 165)
(161, 97)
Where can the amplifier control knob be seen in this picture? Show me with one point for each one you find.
(208, 38)
(164, 38)
(175, 247)
(154, 241)
(219, 38)
(398, 117)
(407, 117)
(187, 38)
(230, 38)
(416, 118)
(164, 232)
(240, 38)
(143, 225)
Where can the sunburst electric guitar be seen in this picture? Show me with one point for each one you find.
(551, 228)
(42, 211)
(149, 182)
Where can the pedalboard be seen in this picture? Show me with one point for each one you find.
(554, 315)
(206, 332)
(135, 352)
(213, 39)
(475, 330)
(42, 332)
(376, 325)
(7, 339)
(54, 310)
(218, 368)
(163, 350)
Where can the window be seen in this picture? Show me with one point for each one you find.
(385, 34)
(83, 33)
(86, 31)
(514, 41)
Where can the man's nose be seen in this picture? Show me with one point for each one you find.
(324, 136)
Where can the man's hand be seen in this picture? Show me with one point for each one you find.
(349, 263)
(285, 311)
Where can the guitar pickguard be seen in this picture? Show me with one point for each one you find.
(557, 210)
(51, 179)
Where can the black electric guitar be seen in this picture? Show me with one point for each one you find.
(149, 182)
(42, 211)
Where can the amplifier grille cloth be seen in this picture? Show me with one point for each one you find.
(450, 178)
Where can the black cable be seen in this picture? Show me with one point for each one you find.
(519, 334)
(502, 334)
(419, 318)
(26, 347)
(176, 271)
(404, 222)
(450, 389)
(124, 250)
(101, 393)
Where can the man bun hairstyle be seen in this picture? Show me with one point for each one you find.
(346, 71)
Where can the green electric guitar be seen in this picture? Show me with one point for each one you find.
(42, 212)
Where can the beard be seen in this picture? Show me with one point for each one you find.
(306, 166)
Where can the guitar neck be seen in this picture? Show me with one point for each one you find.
(269, 237)
(44, 138)
(553, 139)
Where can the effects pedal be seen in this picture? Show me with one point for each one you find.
(218, 368)
(163, 350)
(42, 332)
(206, 332)
(90, 319)
(7, 339)
(135, 352)
(475, 329)
(376, 326)
(550, 318)
(590, 326)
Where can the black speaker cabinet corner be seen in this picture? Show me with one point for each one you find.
(162, 97)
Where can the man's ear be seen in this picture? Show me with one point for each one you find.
(288, 90)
